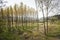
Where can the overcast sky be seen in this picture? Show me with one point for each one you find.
(30, 3)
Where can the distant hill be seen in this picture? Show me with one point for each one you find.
(55, 17)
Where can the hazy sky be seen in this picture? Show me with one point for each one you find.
(30, 3)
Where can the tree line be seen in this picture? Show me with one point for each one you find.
(17, 14)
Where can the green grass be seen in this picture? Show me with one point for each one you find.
(15, 32)
(54, 30)
(18, 33)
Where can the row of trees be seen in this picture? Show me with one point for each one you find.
(13, 21)
(17, 15)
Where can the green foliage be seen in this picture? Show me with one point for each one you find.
(12, 34)
(15, 33)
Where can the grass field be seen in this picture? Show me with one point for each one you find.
(30, 32)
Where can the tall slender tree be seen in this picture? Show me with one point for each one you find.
(11, 13)
(16, 15)
(22, 14)
(25, 15)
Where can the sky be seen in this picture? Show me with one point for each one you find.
(30, 3)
